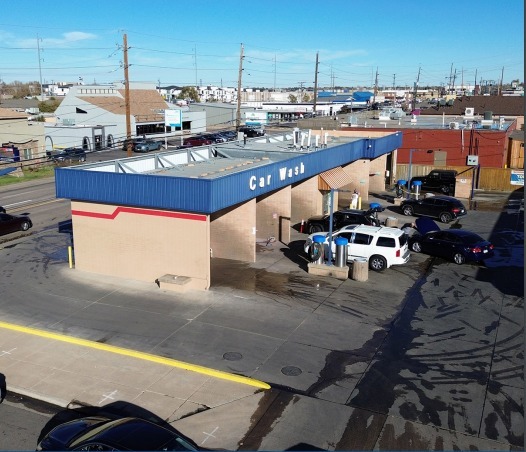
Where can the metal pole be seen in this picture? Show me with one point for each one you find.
(331, 210)
(127, 96)
(409, 173)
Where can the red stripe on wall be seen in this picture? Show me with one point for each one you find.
(155, 213)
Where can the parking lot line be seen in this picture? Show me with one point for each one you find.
(136, 354)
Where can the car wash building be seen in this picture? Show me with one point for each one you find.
(170, 213)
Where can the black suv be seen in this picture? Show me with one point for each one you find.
(252, 132)
(445, 208)
(342, 218)
(442, 181)
(69, 155)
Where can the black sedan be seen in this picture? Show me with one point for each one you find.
(457, 245)
(341, 218)
(445, 208)
(12, 223)
(101, 433)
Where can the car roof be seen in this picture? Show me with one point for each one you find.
(384, 230)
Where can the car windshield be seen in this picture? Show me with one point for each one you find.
(472, 239)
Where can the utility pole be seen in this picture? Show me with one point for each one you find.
(315, 85)
(238, 113)
(40, 70)
(195, 62)
(475, 85)
(501, 81)
(415, 90)
(127, 96)
(394, 81)
(450, 75)
(454, 78)
(376, 86)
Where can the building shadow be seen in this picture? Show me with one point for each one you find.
(3, 387)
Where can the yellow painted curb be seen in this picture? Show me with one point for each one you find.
(136, 354)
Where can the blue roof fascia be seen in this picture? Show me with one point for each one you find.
(210, 195)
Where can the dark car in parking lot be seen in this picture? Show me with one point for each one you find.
(102, 433)
(68, 155)
(445, 208)
(340, 218)
(252, 132)
(442, 181)
(457, 245)
(13, 223)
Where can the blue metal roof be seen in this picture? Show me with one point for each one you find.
(174, 191)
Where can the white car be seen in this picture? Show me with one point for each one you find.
(381, 246)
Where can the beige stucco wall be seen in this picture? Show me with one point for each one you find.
(273, 215)
(232, 232)
(141, 244)
(377, 169)
(306, 200)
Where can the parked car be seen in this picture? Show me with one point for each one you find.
(230, 135)
(12, 223)
(102, 433)
(147, 146)
(252, 132)
(69, 154)
(442, 181)
(457, 245)
(381, 246)
(134, 143)
(196, 141)
(340, 218)
(215, 137)
(445, 208)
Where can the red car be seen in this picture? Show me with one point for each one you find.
(196, 141)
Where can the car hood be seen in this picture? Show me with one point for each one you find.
(317, 217)
(425, 225)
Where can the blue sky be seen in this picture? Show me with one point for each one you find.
(187, 42)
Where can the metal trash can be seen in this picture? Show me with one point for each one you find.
(417, 184)
(316, 249)
(341, 251)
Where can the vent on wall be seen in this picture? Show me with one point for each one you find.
(470, 111)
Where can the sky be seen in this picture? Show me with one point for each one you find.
(188, 43)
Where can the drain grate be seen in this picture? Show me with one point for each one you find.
(232, 356)
(291, 371)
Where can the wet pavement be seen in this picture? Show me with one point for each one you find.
(428, 355)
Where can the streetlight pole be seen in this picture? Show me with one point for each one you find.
(409, 172)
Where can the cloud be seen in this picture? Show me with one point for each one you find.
(66, 40)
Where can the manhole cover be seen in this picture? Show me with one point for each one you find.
(291, 371)
(232, 356)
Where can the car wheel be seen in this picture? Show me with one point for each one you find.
(444, 189)
(24, 226)
(377, 263)
(408, 211)
(445, 217)
(315, 228)
(459, 258)
(416, 247)
(82, 159)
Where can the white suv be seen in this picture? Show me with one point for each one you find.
(381, 246)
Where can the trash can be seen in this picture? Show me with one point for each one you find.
(360, 269)
(392, 222)
(316, 249)
(417, 184)
(341, 251)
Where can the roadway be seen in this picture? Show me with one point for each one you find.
(425, 355)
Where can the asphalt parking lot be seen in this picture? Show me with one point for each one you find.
(427, 355)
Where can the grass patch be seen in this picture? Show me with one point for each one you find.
(28, 175)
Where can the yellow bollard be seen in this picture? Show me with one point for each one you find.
(359, 202)
(70, 256)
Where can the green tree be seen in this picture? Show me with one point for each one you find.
(293, 99)
(305, 98)
(48, 106)
(189, 92)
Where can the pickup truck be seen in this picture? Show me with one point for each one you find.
(442, 181)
